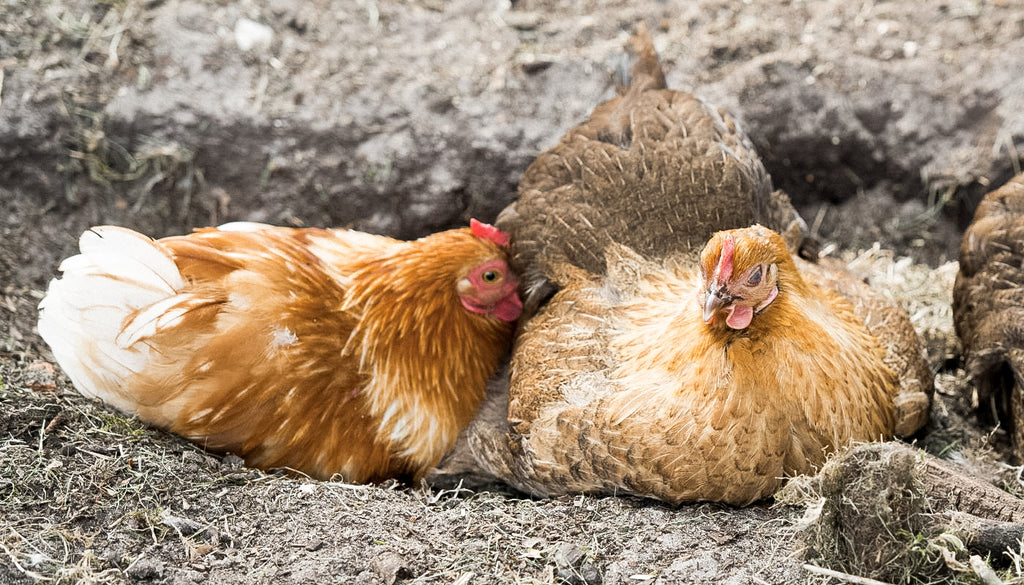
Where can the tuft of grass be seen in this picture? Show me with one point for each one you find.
(116, 424)
(867, 516)
(140, 170)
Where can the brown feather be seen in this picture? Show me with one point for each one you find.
(655, 169)
(618, 386)
(988, 307)
(616, 383)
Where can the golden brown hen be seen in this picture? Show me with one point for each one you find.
(684, 383)
(322, 351)
(988, 307)
(624, 382)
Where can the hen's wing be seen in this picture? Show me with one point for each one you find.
(890, 324)
(654, 169)
(988, 306)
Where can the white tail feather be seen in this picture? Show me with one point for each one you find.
(242, 226)
(157, 317)
(84, 314)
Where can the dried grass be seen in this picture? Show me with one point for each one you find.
(926, 294)
(865, 518)
(868, 518)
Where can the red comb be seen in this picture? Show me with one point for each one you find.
(486, 231)
(724, 269)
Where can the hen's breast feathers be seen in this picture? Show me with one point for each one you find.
(807, 356)
(320, 350)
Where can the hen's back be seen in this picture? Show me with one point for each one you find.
(655, 169)
(988, 305)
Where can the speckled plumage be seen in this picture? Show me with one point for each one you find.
(988, 307)
(618, 386)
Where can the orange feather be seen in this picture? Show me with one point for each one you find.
(322, 351)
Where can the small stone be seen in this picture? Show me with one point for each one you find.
(387, 566)
(250, 35)
(523, 21)
(314, 545)
(591, 574)
(568, 555)
(232, 462)
(40, 377)
(146, 569)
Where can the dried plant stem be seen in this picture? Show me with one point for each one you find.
(845, 577)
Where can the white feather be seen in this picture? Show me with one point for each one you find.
(157, 317)
(242, 226)
(122, 252)
(84, 314)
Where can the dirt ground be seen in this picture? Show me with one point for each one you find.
(885, 121)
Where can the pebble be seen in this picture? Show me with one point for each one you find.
(250, 35)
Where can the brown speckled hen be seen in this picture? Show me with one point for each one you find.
(654, 169)
(659, 371)
(328, 352)
(988, 307)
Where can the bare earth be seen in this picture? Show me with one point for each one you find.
(885, 121)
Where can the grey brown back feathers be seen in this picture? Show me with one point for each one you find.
(654, 169)
(988, 306)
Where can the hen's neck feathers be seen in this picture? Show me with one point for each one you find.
(418, 336)
(409, 306)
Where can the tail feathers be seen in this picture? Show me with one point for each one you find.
(647, 72)
(645, 75)
(161, 316)
(83, 316)
(118, 251)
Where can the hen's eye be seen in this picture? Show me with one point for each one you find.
(490, 276)
(755, 277)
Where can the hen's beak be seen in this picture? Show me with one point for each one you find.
(714, 298)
